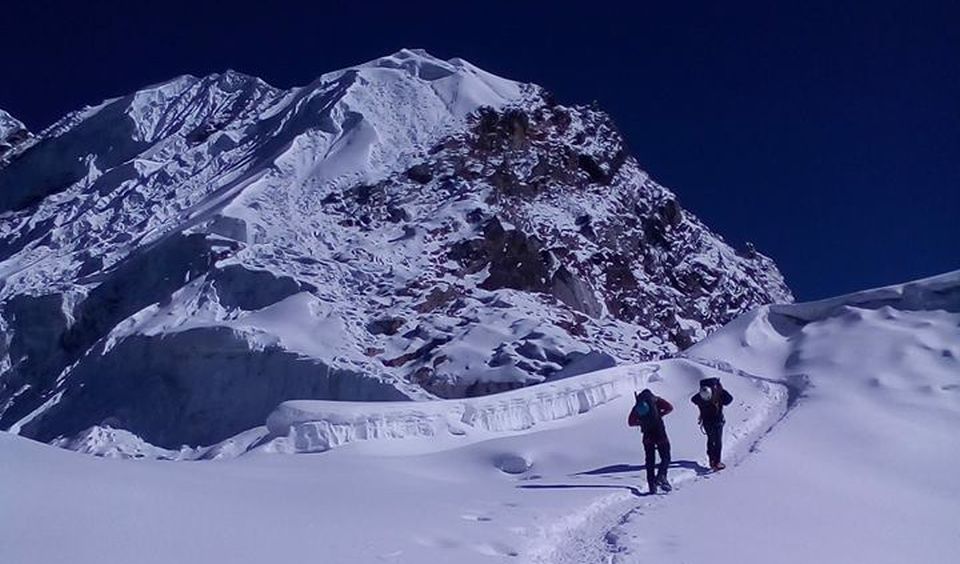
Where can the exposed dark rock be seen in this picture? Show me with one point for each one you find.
(589, 165)
(438, 297)
(574, 292)
(420, 173)
(748, 251)
(363, 193)
(531, 350)
(417, 354)
(385, 325)
(397, 214)
(671, 212)
(475, 215)
(515, 124)
(585, 225)
(515, 262)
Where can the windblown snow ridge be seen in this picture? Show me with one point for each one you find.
(316, 426)
(928, 294)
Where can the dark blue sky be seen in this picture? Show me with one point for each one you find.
(826, 133)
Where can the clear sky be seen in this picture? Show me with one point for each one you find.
(827, 133)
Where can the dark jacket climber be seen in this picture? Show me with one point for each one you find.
(710, 399)
(647, 413)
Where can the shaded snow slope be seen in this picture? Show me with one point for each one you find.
(408, 228)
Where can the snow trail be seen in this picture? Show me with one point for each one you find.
(596, 533)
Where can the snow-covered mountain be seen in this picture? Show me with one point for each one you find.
(14, 137)
(178, 261)
(840, 445)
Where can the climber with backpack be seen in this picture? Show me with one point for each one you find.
(710, 399)
(647, 413)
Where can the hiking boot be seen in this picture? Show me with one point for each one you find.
(652, 488)
(717, 465)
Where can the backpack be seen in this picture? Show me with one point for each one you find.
(716, 401)
(710, 382)
(644, 410)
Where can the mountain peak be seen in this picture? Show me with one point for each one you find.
(9, 124)
(411, 59)
(14, 136)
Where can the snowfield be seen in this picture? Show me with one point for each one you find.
(841, 447)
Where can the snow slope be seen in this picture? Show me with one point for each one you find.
(467, 490)
(863, 468)
(859, 469)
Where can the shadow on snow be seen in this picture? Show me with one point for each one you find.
(635, 491)
(618, 469)
(700, 469)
